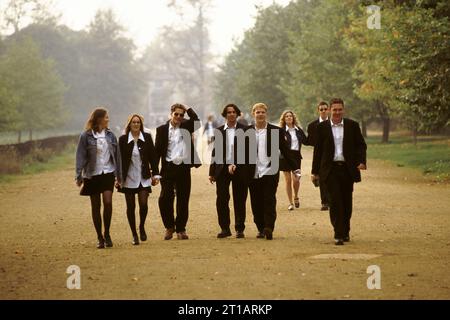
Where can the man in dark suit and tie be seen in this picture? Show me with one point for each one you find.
(225, 169)
(322, 108)
(265, 172)
(339, 155)
(175, 147)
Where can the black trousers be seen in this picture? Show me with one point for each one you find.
(175, 179)
(240, 192)
(264, 202)
(340, 188)
(324, 197)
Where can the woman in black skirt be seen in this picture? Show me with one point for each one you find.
(295, 137)
(138, 154)
(96, 169)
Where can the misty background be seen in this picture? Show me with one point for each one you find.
(289, 55)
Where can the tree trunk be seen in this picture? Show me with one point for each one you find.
(19, 136)
(386, 128)
(384, 115)
(364, 128)
(414, 135)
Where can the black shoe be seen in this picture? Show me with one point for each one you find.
(224, 234)
(268, 233)
(240, 234)
(346, 239)
(260, 235)
(142, 234)
(135, 241)
(339, 242)
(101, 243)
(108, 241)
(324, 207)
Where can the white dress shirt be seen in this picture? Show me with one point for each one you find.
(338, 136)
(134, 176)
(294, 140)
(320, 119)
(175, 149)
(103, 163)
(231, 132)
(262, 160)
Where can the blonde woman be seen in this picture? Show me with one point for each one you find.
(295, 137)
(138, 156)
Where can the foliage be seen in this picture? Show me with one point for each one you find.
(32, 87)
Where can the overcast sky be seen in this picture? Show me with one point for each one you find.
(143, 18)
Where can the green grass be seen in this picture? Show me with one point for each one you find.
(53, 162)
(431, 155)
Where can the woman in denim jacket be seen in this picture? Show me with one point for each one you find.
(97, 168)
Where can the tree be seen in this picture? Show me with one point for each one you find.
(18, 13)
(256, 68)
(179, 61)
(320, 63)
(403, 67)
(110, 76)
(33, 85)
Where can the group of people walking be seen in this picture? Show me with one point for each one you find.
(249, 157)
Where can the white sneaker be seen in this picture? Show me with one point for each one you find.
(291, 207)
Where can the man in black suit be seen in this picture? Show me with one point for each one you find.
(264, 173)
(322, 108)
(339, 155)
(225, 169)
(175, 147)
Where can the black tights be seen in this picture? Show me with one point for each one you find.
(107, 212)
(143, 209)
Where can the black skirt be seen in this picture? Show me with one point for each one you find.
(135, 190)
(98, 184)
(295, 154)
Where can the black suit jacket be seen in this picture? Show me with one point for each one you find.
(301, 137)
(283, 148)
(354, 149)
(162, 140)
(148, 155)
(215, 169)
(312, 133)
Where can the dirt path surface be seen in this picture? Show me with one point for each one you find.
(399, 217)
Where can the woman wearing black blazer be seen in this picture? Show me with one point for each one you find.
(295, 138)
(137, 154)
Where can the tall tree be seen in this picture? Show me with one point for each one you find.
(35, 85)
(320, 63)
(256, 68)
(111, 75)
(19, 13)
(179, 61)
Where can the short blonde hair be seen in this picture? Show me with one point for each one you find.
(259, 105)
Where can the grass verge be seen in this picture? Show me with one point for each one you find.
(38, 161)
(431, 154)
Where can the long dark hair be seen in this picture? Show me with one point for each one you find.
(94, 119)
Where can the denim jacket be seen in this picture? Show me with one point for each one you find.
(87, 154)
